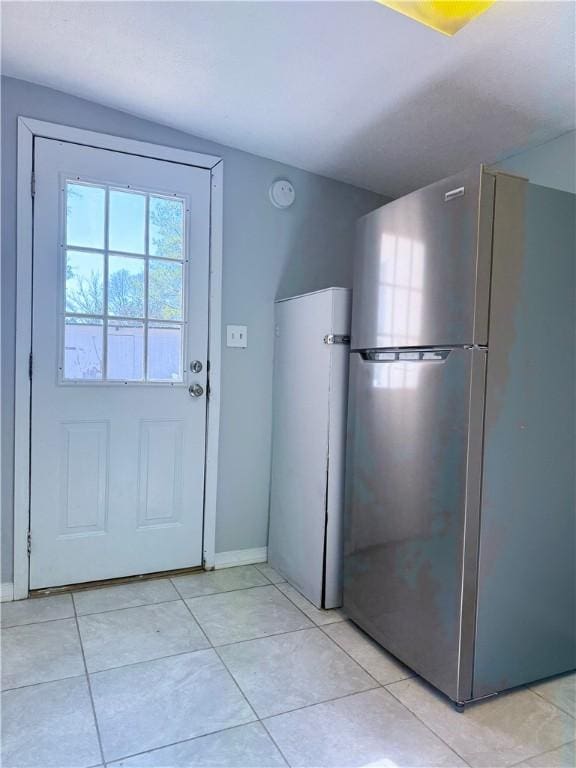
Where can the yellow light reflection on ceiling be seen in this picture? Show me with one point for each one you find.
(446, 16)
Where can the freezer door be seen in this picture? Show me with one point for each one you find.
(412, 501)
(422, 267)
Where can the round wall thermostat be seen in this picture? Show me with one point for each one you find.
(282, 193)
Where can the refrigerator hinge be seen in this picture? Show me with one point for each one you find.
(29, 542)
(32, 184)
(336, 338)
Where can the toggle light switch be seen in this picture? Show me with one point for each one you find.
(237, 336)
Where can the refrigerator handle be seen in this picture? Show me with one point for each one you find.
(403, 356)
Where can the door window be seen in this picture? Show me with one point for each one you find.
(124, 285)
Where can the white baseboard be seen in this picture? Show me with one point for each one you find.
(241, 557)
(6, 592)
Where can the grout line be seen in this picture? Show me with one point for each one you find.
(273, 740)
(428, 727)
(200, 627)
(294, 709)
(362, 667)
(541, 754)
(148, 661)
(258, 566)
(337, 621)
(222, 662)
(564, 711)
(35, 623)
(89, 683)
(236, 684)
(224, 591)
(377, 687)
(127, 608)
(42, 682)
(368, 639)
(95, 613)
(177, 590)
(230, 591)
(258, 718)
(265, 637)
(183, 741)
(332, 699)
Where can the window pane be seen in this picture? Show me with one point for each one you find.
(126, 231)
(85, 206)
(83, 348)
(125, 286)
(164, 352)
(125, 350)
(84, 282)
(166, 227)
(164, 290)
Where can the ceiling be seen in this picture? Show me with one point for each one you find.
(350, 90)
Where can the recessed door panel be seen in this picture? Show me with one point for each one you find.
(161, 444)
(84, 452)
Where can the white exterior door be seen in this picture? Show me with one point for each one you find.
(120, 314)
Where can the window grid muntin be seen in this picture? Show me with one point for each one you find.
(146, 257)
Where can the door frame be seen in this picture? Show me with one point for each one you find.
(28, 129)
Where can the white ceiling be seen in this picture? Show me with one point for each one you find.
(350, 90)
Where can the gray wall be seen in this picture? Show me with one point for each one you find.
(551, 165)
(267, 253)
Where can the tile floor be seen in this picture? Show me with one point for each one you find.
(235, 668)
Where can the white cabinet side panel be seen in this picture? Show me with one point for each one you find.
(300, 442)
(310, 381)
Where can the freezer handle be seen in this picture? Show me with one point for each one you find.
(406, 356)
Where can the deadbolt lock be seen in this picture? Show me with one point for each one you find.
(196, 366)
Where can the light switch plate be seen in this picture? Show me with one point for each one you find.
(237, 336)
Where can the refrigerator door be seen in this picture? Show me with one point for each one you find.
(412, 502)
(422, 267)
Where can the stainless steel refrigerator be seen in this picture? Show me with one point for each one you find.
(459, 515)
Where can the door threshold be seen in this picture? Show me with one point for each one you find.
(112, 582)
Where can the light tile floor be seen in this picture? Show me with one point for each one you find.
(236, 669)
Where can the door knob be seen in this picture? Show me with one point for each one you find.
(196, 390)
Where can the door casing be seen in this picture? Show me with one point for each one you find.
(28, 129)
